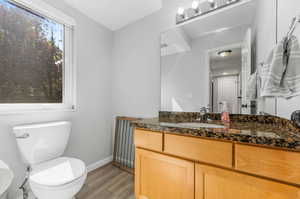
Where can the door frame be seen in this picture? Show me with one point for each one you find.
(238, 88)
(207, 62)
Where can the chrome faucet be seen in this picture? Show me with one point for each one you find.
(203, 114)
(204, 110)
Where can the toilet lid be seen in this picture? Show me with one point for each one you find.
(6, 177)
(57, 172)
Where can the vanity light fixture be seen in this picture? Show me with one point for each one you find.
(197, 9)
(225, 53)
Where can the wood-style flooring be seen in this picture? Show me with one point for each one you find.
(108, 182)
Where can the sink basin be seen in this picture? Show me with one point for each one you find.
(191, 125)
(6, 177)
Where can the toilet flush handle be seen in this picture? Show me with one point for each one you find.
(24, 136)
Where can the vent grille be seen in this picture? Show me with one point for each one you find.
(124, 146)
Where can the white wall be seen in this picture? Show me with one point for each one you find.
(91, 136)
(229, 66)
(184, 79)
(185, 76)
(287, 9)
(266, 40)
(265, 31)
(136, 81)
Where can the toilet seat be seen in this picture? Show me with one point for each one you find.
(57, 172)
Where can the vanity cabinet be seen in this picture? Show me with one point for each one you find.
(162, 177)
(171, 166)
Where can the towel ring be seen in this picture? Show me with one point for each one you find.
(293, 26)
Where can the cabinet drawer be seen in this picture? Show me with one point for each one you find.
(277, 164)
(148, 139)
(213, 152)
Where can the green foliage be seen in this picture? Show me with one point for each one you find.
(31, 62)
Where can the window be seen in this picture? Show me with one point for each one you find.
(36, 58)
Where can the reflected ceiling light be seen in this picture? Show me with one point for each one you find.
(224, 53)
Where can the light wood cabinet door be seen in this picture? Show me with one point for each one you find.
(159, 176)
(215, 183)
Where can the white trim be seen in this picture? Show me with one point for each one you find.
(69, 73)
(99, 164)
(47, 10)
(11, 109)
(207, 63)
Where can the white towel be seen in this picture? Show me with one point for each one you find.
(252, 86)
(281, 72)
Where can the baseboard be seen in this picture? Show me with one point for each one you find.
(99, 164)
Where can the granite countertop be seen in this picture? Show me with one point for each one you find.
(250, 132)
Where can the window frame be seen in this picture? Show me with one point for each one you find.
(69, 67)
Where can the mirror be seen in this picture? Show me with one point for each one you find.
(207, 61)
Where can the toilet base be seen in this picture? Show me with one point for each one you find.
(31, 196)
(62, 192)
(3, 196)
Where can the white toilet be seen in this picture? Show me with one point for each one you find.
(41, 147)
(6, 178)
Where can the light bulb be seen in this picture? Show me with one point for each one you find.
(180, 11)
(195, 5)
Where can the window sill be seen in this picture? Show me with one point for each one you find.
(20, 110)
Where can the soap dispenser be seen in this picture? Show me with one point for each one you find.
(225, 113)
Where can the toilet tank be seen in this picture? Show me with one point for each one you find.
(42, 142)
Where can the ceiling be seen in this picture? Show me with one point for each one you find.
(115, 14)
